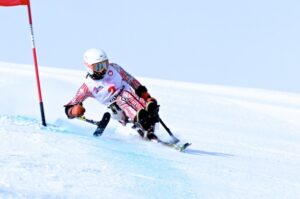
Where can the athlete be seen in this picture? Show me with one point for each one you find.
(112, 86)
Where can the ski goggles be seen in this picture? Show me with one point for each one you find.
(99, 67)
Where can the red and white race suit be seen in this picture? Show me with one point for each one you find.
(116, 86)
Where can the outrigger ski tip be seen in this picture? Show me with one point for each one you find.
(101, 125)
(184, 146)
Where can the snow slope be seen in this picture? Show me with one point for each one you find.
(245, 143)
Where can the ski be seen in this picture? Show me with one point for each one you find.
(150, 136)
(178, 147)
(101, 125)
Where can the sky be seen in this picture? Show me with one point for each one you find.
(238, 43)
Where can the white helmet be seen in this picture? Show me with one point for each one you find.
(92, 56)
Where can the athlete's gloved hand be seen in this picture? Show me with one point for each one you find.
(76, 111)
(142, 92)
(151, 99)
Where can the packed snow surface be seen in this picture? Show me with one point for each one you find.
(245, 142)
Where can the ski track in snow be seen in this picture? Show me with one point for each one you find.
(46, 159)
